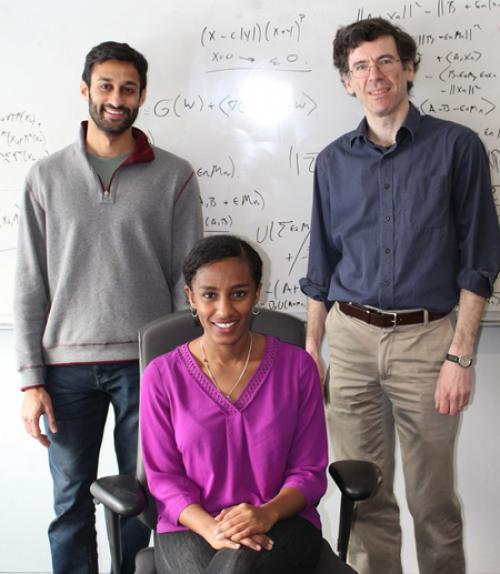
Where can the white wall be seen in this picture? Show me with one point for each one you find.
(25, 487)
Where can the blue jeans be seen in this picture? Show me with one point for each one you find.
(81, 395)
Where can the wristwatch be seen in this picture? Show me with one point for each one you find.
(464, 361)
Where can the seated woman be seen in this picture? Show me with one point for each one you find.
(233, 432)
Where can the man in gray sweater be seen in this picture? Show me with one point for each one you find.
(105, 226)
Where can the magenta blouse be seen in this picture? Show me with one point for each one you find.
(198, 447)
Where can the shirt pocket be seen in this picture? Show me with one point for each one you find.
(428, 202)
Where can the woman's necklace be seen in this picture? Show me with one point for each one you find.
(238, 380)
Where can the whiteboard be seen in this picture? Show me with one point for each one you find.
(246, 91)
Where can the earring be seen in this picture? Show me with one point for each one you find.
(194, 312)
(255, 311)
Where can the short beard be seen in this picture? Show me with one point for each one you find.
(106, 127)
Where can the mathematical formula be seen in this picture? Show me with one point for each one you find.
(258, 32)
(439, 8)
(181, 105)
(22, 140)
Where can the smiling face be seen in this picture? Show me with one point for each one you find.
(382, 94)
(114, 96)
(224, 293)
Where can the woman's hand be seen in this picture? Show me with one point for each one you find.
(255, 542)
(245, 520)
(197, 519)
(218, 542)
(258, 542)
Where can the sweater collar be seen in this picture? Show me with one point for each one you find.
(142, 152)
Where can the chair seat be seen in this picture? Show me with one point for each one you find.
(329, 563)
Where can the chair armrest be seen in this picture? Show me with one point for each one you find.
(122, 494)
(356, 479)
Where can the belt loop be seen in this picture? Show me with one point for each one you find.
(426, 317)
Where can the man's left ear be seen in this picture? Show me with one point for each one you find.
(142, 97)
(84, 90)
(346, 80)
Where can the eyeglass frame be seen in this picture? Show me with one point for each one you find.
(376, 65)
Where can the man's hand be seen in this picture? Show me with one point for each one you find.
(454, 382)
(319, 363)
(452, 389)
(316, 316)
(36, 403)
(247, 524)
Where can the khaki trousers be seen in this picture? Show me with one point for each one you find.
(382, 380)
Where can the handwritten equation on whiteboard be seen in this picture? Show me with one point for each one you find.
(268, 202)
(22, 140)
(181, 105)
(268, 45)
(439, 8)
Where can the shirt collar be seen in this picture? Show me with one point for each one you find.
(142, 152)
(411, 123)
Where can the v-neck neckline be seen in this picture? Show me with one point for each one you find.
(251, 387)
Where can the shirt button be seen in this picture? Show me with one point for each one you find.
(387, 186)
(387, 283)
(387, 250)
(387, 217)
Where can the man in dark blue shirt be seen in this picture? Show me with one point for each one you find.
(403, 228)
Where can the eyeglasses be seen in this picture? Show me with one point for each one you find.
(361, 70)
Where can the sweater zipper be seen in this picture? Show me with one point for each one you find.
(107, 192)
(104, 191)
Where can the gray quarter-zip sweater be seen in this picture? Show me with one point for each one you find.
(93, 265)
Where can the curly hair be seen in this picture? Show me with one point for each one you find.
(348, 38)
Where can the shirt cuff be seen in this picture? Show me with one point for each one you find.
(31, 387)
(479, 282)
(175, 506)
(32, 377)
(313, 290)
(311, 490)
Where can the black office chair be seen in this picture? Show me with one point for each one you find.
(127, 495)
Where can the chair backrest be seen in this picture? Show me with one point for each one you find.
(170, 331)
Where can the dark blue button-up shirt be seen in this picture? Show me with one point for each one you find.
(406, 226)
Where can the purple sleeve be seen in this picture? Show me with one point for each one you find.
(165, 472)
(306, 465)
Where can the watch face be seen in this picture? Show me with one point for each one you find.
(465, 361)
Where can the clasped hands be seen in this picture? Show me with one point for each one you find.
(244, 524)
